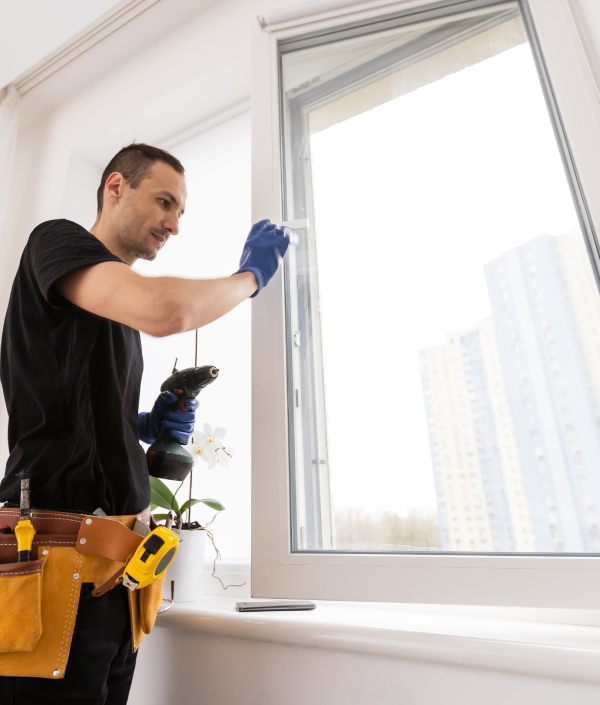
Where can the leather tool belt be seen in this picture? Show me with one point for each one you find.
(39, 598)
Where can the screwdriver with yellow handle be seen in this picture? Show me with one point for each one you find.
(24, 530)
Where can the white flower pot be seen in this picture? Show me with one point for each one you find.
(182, 581)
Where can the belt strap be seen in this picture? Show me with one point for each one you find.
(107, 537)
(115, 579)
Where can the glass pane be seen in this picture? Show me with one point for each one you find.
(443, 316)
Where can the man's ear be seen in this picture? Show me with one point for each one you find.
(113, 187)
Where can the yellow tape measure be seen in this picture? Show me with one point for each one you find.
(151, 558)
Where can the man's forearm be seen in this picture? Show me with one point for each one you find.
(188, 304)
(158, 306)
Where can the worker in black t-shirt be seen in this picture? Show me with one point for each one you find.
(71, 367)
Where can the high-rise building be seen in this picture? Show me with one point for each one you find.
(512, 407)
(481, 498)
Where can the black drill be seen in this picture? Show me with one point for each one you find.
(166, 457)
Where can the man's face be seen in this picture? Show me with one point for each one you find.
(149, 214)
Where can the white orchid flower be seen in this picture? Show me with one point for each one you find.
(221, 456)
(208, 445)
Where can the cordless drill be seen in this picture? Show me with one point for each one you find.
(166, 457)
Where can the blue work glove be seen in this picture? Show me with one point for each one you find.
(179, 422)
(264, 249)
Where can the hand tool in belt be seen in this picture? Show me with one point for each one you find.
(24, 530)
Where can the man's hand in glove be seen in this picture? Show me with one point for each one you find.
(264, 249)
(179, 422)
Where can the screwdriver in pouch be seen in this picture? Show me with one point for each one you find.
(24, 530)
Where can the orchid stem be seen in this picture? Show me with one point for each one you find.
(189, 511)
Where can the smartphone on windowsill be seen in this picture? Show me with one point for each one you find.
(274, 605)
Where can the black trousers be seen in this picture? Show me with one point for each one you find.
(100, 666)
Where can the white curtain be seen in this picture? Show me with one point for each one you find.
(9, 110)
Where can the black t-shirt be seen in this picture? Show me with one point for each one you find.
(71, 381)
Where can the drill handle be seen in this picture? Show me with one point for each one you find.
(183, 396)
(163, 438)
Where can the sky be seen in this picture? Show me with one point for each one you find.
(412, 199)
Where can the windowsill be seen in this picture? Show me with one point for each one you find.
(533, 648)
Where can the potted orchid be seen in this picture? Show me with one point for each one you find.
(208, 446)
(183, 575)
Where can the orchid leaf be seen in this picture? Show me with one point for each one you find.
(160, 517)
(212, 503)
(161, 496)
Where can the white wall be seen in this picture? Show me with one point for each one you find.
(587, 16)
(79, 198)
(206, 669)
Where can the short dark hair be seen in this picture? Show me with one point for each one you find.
(134, 163)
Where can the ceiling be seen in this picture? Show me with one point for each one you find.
(33, 29)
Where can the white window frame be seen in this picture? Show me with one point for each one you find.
(516, 580)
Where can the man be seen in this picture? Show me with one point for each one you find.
(71, 367)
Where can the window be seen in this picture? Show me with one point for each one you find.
(418, 159)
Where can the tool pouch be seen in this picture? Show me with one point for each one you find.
(149, 600)
(21, 600)
(51, 606)
(39, 598)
